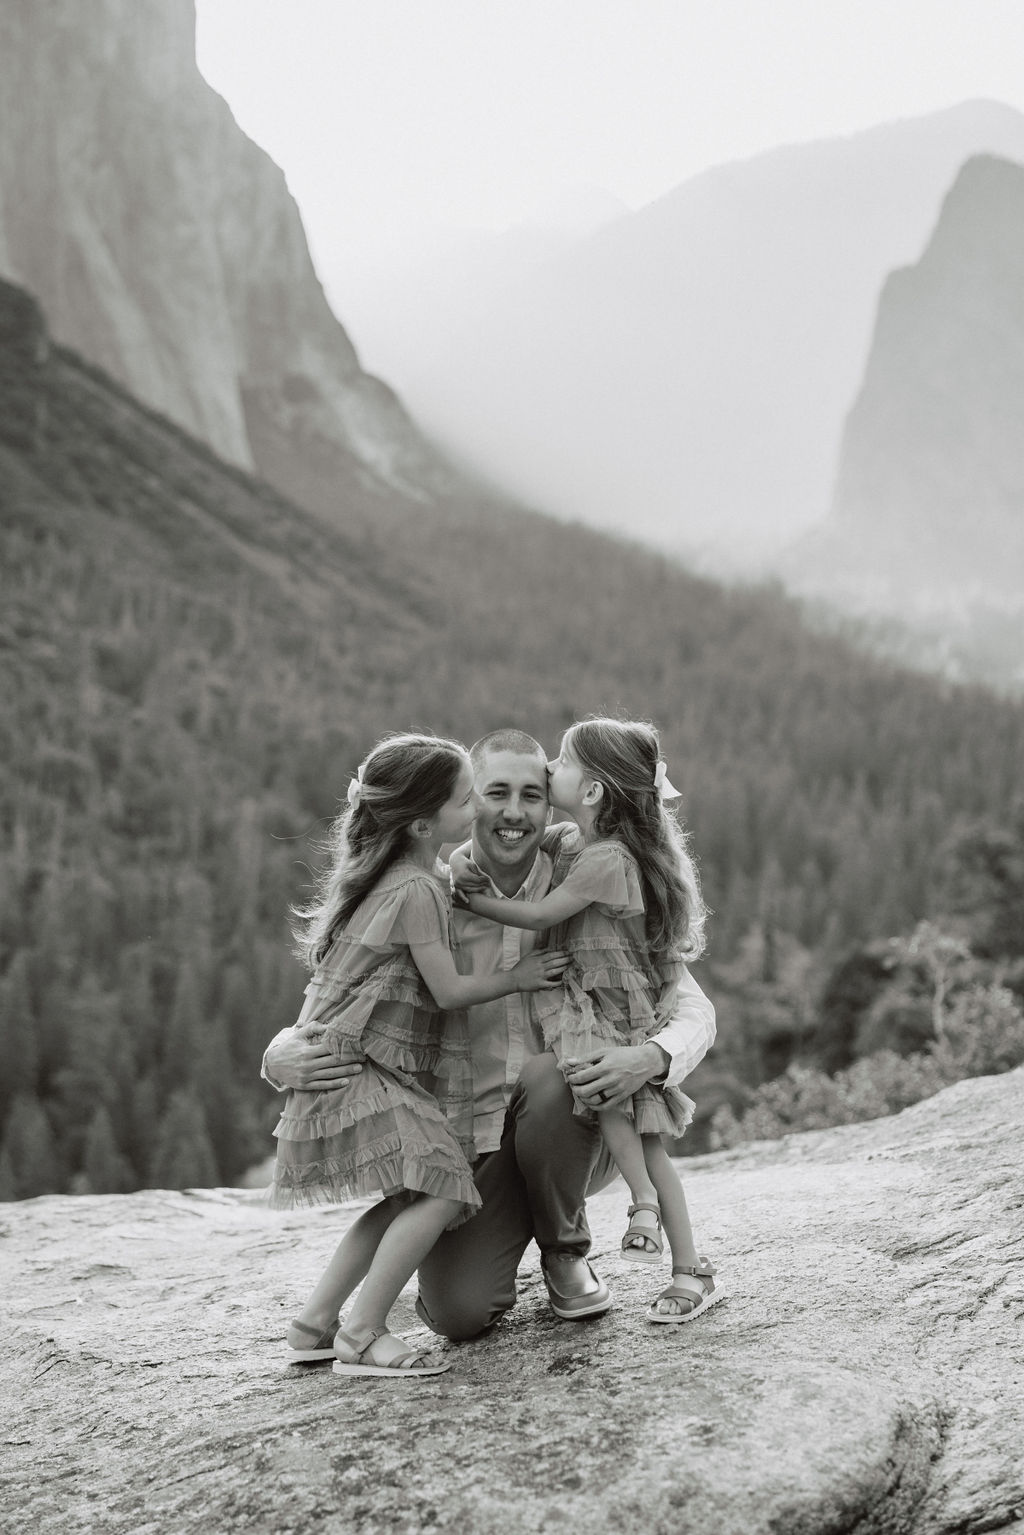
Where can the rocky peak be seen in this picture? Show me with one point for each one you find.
(930, 488)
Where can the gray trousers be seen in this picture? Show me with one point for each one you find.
(533, 1189)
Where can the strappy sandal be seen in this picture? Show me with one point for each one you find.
(696, 1286)
(322, 1346)
(354, 1361)
(649, 1233)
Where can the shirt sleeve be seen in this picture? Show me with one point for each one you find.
(689, 1033)
(278, 1039)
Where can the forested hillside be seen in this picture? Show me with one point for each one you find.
(192, 668)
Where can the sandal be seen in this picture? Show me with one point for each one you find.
(699, 1289)
(649, 1233)
(322, 1346)
(357, 1359)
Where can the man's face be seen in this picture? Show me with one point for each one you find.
(512, 812)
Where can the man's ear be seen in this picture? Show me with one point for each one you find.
(593, 794)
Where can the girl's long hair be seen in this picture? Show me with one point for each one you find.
(404, 778)
(623, 755)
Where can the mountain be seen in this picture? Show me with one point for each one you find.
(193, 666)
(166, 248)
(928, 511)
(930, 488)
(685, 371)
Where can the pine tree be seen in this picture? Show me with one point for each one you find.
(19, 1049)
(183, 1157)
(8, 1182)
(184, 1031)
(29, 1146)
(106, 1170)
(143, 1126)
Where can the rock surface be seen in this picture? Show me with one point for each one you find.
(864, 1374)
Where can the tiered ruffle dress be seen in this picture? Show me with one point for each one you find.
(406, 1120)
(615, 991)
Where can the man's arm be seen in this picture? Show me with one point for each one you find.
(291, 1061)
(689, 1033)
(614, 1075)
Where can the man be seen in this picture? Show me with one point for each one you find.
(536, 1159)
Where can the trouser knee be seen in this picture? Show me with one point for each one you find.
(542, 1090)
(460, 1317)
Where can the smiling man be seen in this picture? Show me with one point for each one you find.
(536, 1160)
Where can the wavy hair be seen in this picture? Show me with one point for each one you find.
(623, 755)
(404, 778)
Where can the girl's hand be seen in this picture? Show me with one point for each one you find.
(541, 970)
(467, 877)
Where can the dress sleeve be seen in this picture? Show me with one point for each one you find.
(414, 912)
(605, 874)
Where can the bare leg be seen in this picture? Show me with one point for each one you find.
(629, 1152)
(675, 1216)
(347, 1268)
(674, 1213)
(409, 1237)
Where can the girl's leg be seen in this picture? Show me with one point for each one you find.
(674, 1214)
(346, 1269)
(628, 1150)
(409, 1236)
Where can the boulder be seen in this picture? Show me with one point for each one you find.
(864, 1373)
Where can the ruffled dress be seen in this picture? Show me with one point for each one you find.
(615, 991)
(405, 1122)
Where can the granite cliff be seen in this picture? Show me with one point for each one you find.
(165, 248)
(927, 517)
(862, 1378)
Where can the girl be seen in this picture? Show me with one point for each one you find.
(379, 940)
(629, 912)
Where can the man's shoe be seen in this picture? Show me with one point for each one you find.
(574, 1290)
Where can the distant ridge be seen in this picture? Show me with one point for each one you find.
(685, 371)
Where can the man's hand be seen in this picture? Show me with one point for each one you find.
(295, 1062)
(611, 1076)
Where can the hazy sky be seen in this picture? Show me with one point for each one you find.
(402, 122)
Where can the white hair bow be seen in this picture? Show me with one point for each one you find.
(355, 789)
(663, 784)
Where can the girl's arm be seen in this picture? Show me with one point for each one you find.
(555, 907)
(535, 972)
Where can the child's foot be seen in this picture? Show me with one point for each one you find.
(692, 1291)
(378, 1352)
(643, 1241)
(307, 1343)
